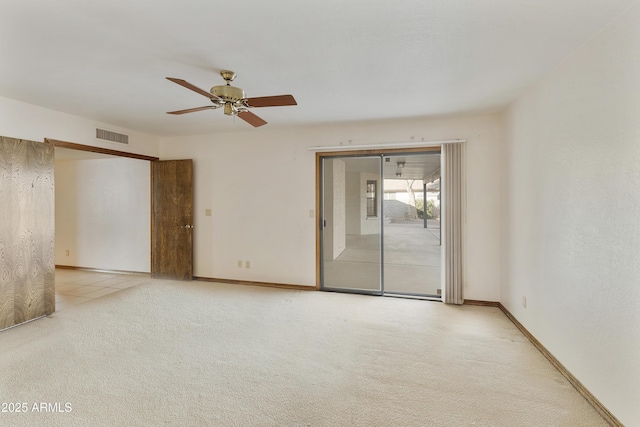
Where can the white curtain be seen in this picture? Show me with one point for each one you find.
(453, 196)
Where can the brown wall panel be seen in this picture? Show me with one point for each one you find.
(27, 235)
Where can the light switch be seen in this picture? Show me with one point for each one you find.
(207, 212)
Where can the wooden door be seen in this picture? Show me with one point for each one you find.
(172, 219)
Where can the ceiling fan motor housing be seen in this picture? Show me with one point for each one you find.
(229, 94)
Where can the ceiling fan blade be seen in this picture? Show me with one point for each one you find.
(193, 110)
(196, 89)
(251, 118)
(271, 101)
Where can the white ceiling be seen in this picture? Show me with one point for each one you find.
(342, 60)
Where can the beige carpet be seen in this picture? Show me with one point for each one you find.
(190, 354)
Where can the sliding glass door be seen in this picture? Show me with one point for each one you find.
(411, 229)
(351, 256)
(380, 225)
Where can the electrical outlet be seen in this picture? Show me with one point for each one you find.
(207, 212)
(66, 252)
(524, 301)
(239, 263)
(312, 213)
(247, 264)
(466, 285)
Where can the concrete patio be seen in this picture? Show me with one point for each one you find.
(412, 260)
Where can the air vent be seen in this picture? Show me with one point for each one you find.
(107, 135)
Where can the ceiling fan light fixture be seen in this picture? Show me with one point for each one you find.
(228, 109)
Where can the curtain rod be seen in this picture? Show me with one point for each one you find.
(384, 145)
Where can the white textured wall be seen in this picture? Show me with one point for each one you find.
(260, 185)
(26, 121)
(571, 240)
(327, 215)
(334, 209)
(339, 208)
(353, 202)
(103, 214)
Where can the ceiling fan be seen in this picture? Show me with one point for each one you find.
(233, 100)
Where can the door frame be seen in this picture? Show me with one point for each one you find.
(100, 150)
(345, 153)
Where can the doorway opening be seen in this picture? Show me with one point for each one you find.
(380, 223)
(102, 221)
(102, 204)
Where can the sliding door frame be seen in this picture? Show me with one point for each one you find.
(319, 187)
